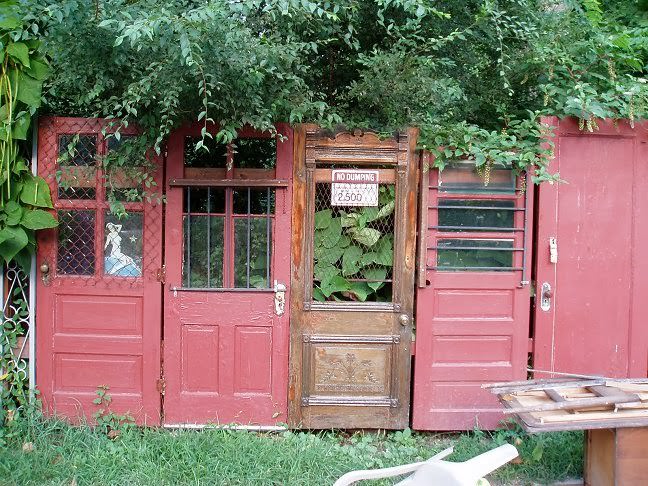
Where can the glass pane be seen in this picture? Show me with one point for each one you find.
(77, 155)
(76, 243)
(123, 245)
(204, 200)
(258, 199)
(203, 251)
(255, 153)
(476, 215)
(353, 248)
(214, 157)
(123, 183)
(463, 254)
(252, 252)
(464, 178)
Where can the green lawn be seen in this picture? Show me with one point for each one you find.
(65, 455)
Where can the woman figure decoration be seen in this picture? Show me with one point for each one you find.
(116, 262)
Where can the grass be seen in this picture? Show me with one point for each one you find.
(66, 455)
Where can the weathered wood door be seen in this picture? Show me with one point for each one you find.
(227, 265)
(98, 308)
(592, 256)
(353, 280)
(473, 300)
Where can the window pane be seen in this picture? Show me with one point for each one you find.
(463, 254)
(258, 199)
(76, 243)
(123, 183)
(252, 252)
(353, 248)
(255, 153)
(204, 200)
(123, 245)
(203, 251)
(214, 157)
(476, 215)
(462, 177)
(77, 160)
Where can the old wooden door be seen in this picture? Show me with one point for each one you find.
(98, 307)
(592, 257)
(473, 304)
(353, 277)
(227, 266)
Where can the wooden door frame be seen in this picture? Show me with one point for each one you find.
(306, 138)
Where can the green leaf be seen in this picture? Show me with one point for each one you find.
(365, 236)
(386, 210)
(13, 240)
(323, 219)
(14, 212)
(24, 256)
(35, 192)
(350, 260)
(328, 255)
(9, 21)
(385, 251)
(21, 127)
(350, 220)
(361, 290)
(38, 219)
(336, 284)
(318, 295)
(29, 90)
(19, 52)
(38, 70)
(331, 235)
(377, 273)
(324, 271)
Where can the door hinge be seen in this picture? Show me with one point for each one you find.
(161, 274)
(161, 386)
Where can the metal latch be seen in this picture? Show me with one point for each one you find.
(553, 250)
(280, 298)
(545, 296)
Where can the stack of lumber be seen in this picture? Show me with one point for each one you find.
(568, 404)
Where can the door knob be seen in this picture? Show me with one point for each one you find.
(545, 296)
(403, 319)
(45, 272)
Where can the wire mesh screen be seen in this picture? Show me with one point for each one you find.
(353, 244)
(105, 248)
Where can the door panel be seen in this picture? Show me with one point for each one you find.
(98, 306)
(472, 311)
(353, 277)
(225, 343)
(593, 323)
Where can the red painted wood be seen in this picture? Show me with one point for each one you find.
(225, 353)
(471, 328)
(596, 324)
(96, 330)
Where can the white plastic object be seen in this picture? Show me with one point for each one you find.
(435, 472)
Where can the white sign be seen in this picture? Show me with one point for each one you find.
(354, 187)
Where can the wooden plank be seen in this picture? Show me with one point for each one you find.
(608, 391)
(228, 183)
(574, 404)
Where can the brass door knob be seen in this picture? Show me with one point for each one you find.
(44, 268)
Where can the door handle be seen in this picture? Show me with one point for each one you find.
(403, 320)
(45, 272)
(545, 296)
(279, 298)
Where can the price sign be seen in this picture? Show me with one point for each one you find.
(354, 188)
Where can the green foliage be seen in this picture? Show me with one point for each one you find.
(353, 251)
(108, 422)
(22, 74)
(63, 453)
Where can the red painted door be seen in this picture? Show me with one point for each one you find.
(472, 310)
(98, 306)
(227, 260)
(591, 309)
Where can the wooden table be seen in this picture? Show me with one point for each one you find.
(612, 412)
